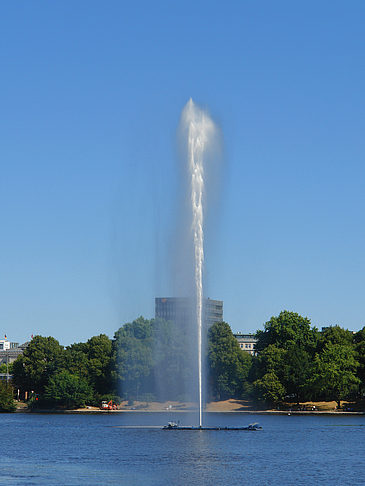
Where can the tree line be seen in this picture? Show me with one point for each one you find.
(148, 360)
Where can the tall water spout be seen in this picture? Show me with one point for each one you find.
(199, 130)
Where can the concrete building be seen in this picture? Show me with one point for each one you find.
(10, 351)
(181, 310)
(246, 341)
(5, 344)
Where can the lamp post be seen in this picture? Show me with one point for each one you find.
(7, 367)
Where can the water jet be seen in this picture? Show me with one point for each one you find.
(199, 130)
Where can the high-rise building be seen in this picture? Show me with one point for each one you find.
(181, 310)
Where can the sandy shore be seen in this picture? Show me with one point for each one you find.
(224, 406)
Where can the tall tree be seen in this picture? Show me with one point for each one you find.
(41, 358)
(172, 369)
(286, 349)
(335, 335)
(7, 403)
(134, 357)
(68, 390)
(285, 330)
(267, 374)
(296, 373)
(269, 388)
(335, 372)
(92, 360)
(228, 365)
(360, 356)
(99, 353)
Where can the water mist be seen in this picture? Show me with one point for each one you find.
(198, 130)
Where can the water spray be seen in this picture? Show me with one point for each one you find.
(200, 130)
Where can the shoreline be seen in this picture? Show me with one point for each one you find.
(230, 406)
(243, 412)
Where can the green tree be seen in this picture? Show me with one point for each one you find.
(99, 350)
(76, 360)
(92, 360)
(66, 389)
(269, 360)
(335, 335)
(4, 368)
(42, 357)
(152, 359)
(285, 330)
(360, 357)
(172, 367)
(335, 372)
(134, 357)
(296, 373)
(269, 388)
(229, 366)
(286, 349)
(7, 403)
(267, 374)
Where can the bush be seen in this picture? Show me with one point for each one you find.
(6, 368)
(71, 391)
(269, 389)
(7, 403)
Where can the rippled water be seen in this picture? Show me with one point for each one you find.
(101, 450)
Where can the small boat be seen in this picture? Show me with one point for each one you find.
(177, 426)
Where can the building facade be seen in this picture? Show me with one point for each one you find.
(181, 310)
(246, 342)
(5, 344)
(10, 351)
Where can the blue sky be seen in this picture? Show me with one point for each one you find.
(91, 95)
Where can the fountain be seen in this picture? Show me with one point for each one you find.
(157, 356)
(199, 133)
(199, 130)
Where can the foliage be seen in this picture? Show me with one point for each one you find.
(269, 389)
(42, 357)
(286, 351)
(66, 389)
(4, 368)
(173, 372)
(335, 372)
(228, 364)
(92, 360)
(133, 352)
(153, 359)
(335, 335)
(269, 360)
(7, 403)
(297, 372)
(286, 330)
(360, 357)
(76, 360)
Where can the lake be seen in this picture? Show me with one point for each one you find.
(42, 449)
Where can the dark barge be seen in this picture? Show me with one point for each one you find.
(176, 426)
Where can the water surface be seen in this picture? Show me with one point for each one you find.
(75, 450)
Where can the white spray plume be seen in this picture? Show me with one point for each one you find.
(200, 131)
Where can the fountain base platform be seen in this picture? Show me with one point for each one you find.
(175, 426)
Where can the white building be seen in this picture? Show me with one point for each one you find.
(246, 342)
(5, 344)
(9, 351)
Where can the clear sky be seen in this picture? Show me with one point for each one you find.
(91, 94)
